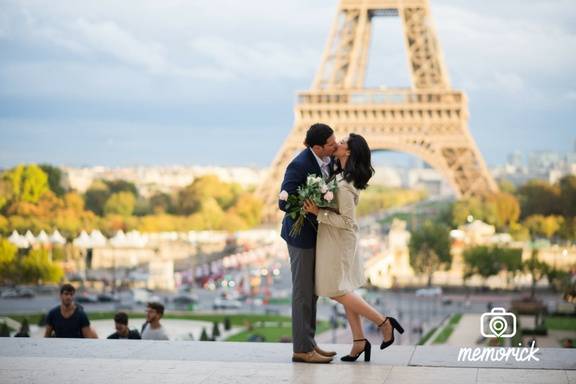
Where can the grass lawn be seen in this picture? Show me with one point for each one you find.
(448, 329)
(235, 319)
(274, 333)
(561, 323)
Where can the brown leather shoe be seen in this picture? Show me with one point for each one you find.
(310, 357)
(324, 353)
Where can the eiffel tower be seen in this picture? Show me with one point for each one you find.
(428, 120)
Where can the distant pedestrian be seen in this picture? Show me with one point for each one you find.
(152, 329)
(122, 330)
(68, 320)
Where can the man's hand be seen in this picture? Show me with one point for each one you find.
(311, 207)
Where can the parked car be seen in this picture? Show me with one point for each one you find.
(107, 298)
(184, 299)
(433, 291)
(86, 297)
(226, 304)
(17, 293)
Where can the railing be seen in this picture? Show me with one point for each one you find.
(377, 96)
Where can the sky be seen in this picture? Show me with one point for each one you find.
(213, 82)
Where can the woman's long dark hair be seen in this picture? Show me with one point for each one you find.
(358, 170)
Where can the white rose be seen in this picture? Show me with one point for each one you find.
(283, 196)
(323, 188)
(328, 196)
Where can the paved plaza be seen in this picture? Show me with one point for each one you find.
(61, 361)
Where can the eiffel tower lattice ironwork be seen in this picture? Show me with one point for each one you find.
(428, 120)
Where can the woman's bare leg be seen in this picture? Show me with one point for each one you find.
(357, 332)
(357, 304)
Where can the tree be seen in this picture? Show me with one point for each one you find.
(249, 208)
(120, 203)
(96, 197)
(161, 203)
(537, 270)
(204, 335)
(55, 180)
(567, 186)
(489, 261)
(544, 226)
(28, 183)
(539, 198)
(116, 186)
(430, 249)
(227, 324)
(7, 261)
(506, 208)
(482, 261)
(190, 198)
(462, 209)
(215, 330)
(36, 266)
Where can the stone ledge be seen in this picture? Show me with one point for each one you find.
(421, 356)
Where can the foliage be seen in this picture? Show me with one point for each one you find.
(7, 261)
(489, 261)
(37, 267)
(430, 249)
(120, 203)
(499, 209)
(55, 180)
(379, 198)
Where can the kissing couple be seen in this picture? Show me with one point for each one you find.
(324, 258)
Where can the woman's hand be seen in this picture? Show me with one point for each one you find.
(311, 207)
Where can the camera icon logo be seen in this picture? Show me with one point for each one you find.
(498, 323)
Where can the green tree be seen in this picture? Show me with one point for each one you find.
(28, 183)
(430, 249)
(249, 208)
(204, 335)
(543, 226)
(120, 203)
(465, 208)
(37, 267)
(8, 266)
(161, 203)
(96, 197)
(482, 261)
(567, 186)
(506, 208)
(190, 198)
(537, 270)
(55, 180)
(116, 186)
(215, 330)
(539, 198)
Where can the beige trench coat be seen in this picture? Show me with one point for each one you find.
(339, 268)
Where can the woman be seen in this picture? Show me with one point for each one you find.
(339, 269)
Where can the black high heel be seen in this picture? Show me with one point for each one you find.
(395, 326)
(367, 349)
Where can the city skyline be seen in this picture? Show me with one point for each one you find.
(100, 84)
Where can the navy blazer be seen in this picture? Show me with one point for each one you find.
(296, 174)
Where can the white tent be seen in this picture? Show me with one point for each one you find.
(43, 238)
(19, 241)
(57, 238)
(30, 237)
(97, 238)
(83, 241)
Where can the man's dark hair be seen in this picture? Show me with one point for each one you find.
(157, 307)
(121, 318)
(67, 288)
(318, 134)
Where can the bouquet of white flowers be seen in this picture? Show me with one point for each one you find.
(316, 190)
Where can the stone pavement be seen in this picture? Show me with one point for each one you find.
(140, 362)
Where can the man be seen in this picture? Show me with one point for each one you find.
(315, 159)
(68, 320)
(152, 329)
(122, 330)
